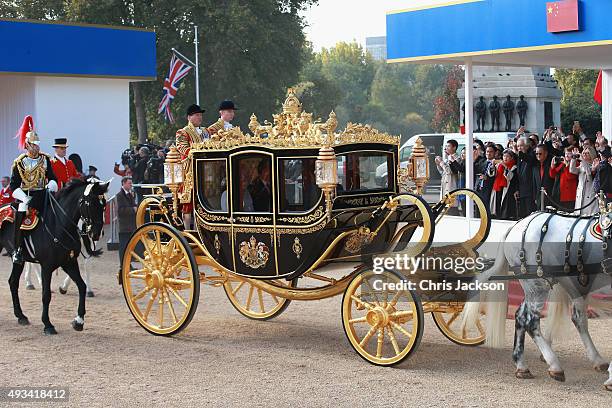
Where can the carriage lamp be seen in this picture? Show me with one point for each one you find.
(173, 175)
(418, 166)
(327, 175)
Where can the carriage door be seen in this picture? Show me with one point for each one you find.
(253, 240)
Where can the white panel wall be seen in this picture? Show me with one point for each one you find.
(92, 113)
(16, 101)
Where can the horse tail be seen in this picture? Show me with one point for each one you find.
(557, 314)
(495, 302)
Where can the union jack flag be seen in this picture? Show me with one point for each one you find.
(178, 70)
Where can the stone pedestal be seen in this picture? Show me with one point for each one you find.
(534, 83)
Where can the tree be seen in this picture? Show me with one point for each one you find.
(577, 102)
(446, 106)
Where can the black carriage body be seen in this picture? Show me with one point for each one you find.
(291, 234)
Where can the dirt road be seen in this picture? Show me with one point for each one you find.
(301, 358)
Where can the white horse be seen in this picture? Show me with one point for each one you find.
(550, 245)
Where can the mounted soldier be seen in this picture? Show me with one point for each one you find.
(32, 174)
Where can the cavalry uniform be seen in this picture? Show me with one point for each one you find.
(32, 174)
(219, 125)
(6, 195)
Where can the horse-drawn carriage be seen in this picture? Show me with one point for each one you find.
(292, 211)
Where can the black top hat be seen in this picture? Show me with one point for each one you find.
(61, 142)
(227, 104)
(194, 109)
(93, 168)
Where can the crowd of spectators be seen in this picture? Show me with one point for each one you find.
(144, 164)
(566, 171)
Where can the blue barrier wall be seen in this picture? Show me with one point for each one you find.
(483, 26)
(63, 49)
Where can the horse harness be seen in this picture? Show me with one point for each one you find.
(581, 270)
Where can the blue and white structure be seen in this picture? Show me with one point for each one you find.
(74, 80)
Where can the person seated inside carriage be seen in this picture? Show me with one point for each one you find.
(260, 188)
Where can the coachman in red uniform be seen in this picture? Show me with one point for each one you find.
(63, 167)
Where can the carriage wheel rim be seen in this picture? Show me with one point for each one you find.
(454, 332)
(383, 321)
(257, 301)
(160, 294)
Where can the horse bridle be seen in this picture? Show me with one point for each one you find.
(85, 210)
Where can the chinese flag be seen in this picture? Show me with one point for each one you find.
(597, 92)
(562, 16)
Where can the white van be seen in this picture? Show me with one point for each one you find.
(435, 142)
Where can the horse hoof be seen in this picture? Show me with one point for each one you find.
(608, 387)
(62, 291)
(523, 374)
(48, 331)
(77, 326)
(601, 368)
(90, 294)
(557, 375)
(23, 321)
(30, 287)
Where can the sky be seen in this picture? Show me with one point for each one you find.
(332, 21)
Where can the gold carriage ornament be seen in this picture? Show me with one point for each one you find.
(326, 174)
(173, 177)
(418, 166)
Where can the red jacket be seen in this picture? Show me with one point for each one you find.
(568, 182)
(6, 196)
(63, 172)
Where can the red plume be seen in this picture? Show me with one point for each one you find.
(28, 125)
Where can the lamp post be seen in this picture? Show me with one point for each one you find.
(173, 176)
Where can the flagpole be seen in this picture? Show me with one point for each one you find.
(197, 68)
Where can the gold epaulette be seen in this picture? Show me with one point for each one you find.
(215, 127)
(18, 159)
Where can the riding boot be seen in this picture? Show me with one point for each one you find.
(17, 257)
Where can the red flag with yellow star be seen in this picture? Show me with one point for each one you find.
(562, 16)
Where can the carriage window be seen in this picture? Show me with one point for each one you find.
(254, 183)
(364, 171)
(298, 189)
(213, 185)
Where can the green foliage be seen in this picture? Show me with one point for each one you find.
(577, 102)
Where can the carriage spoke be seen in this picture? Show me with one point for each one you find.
(393, 301)
(275, 299)
(145, 315)
(142, 261)
(170, 306)
(137, 274)
(261, 302)
(141, 293)
(237, 288)
(399, 315)
(179, 282)
(480, 328)
(368, 336)
(358, 320)
(361, 302)
(178, 297)
(452, 319)
(393, 340)
(400, 329)
(380, 341)
(153, 259)
(372, 292)
(158, 242)
(248, 303)
(161, 310)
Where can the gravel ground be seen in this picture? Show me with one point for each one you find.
(301, 358)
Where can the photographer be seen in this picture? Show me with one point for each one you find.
(154, 174)
(564, 189)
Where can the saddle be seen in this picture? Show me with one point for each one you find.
(30, 221)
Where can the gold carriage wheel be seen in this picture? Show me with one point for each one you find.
(428, 226)
(141, 211)
(383, 325)
(255, 303)
(485, 216)
(450, 324)
(161, 281)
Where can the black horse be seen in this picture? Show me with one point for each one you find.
(55, 243)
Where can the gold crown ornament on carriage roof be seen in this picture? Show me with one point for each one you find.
(295, 128)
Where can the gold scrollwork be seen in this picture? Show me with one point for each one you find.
(306, 218)
(357, 240)
(252, 219)
(210, 217)
(217, 244)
